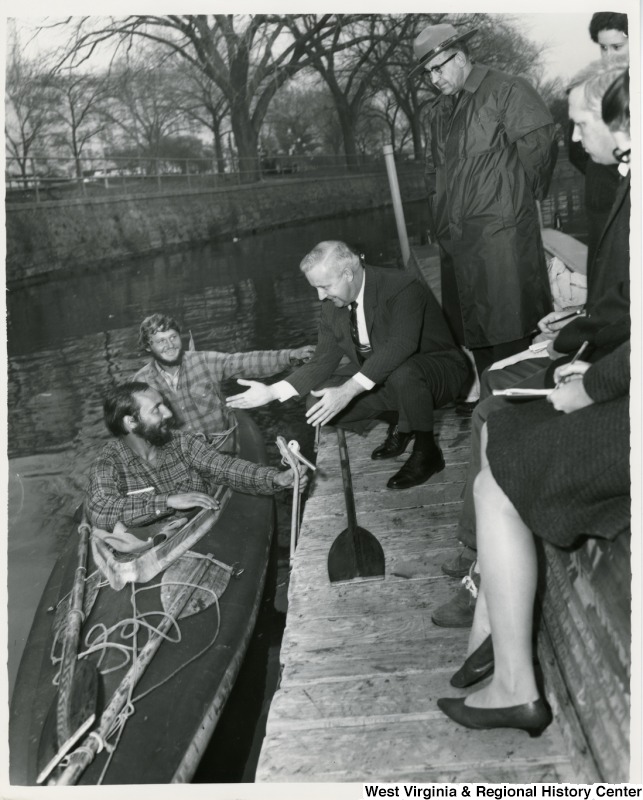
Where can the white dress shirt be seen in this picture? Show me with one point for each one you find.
(285, 390)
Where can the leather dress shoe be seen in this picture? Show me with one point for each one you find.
(394, 445)
(418, 469)
(478, 666)
(459, 566)
(530, 717)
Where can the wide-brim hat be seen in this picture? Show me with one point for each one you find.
(434, 39)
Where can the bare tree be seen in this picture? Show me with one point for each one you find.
(292, 124)
(247, 57)
(349, 60)
(202, 100)
(79, 110)
(28, 106)
(145, 102)
(411, 96)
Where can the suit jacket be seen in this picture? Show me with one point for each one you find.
(607, 321)
(403, 319)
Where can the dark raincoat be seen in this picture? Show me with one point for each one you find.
(490, 156)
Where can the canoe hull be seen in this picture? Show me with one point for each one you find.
(165, 737)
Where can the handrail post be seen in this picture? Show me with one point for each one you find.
(397, 202)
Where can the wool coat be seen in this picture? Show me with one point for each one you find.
(568, 474)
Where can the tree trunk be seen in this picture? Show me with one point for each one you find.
(416, 132)
(348, 134)
(246, 140)
(217, 141)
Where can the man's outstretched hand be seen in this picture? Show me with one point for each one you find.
(257, 395)
(333, 400)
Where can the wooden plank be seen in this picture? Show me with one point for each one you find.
(441, 651)
(390, 535)
(322, 704)
(369, 598)
(359, 753)
(372, 481)
(409, 516)
(403, 563)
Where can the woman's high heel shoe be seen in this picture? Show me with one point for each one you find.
(478, 666)
(530, 717)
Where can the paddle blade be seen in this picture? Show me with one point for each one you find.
(355, 555)
(211, 586)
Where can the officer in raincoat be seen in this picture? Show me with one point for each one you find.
(490, 156)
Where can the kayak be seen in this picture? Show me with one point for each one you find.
(175, 704)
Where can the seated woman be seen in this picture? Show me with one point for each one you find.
(558, 476)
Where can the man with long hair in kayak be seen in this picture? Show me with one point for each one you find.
(191, 380)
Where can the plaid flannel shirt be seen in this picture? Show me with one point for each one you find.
(185, 464)
(198, 405)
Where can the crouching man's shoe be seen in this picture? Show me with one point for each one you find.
(418, 469)
(394, 445)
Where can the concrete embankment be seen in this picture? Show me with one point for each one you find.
(63, 235)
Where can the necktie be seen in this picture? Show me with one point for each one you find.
(362, 350)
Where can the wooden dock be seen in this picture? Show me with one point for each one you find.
(363, 665)
(362, 662)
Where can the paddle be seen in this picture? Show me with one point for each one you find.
(355, 554)
(81, 758)
(76, 699)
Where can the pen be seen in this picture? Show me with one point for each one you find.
(567, 316)
(580, 352)
(141, 491)
(576, 313)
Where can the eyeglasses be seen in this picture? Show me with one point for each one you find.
(438, 68)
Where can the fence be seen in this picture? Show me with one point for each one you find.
(47, 178)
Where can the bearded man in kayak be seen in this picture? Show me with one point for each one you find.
(191, 380)
(148, 471)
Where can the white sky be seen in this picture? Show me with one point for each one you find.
(567, 38)
(565, 35)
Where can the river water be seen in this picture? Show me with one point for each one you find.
(70, 337)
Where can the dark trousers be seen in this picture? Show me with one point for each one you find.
(527, 374)
(418, 386)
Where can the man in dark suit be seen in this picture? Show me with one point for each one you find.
(402, 360)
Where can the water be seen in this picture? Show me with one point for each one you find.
(69, 337)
